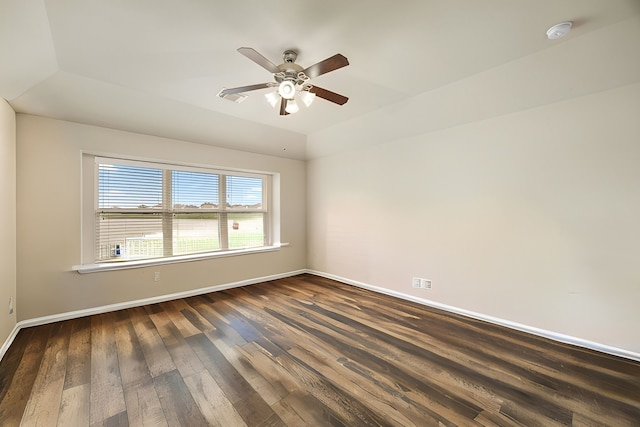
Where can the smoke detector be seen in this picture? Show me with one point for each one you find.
(559, 30)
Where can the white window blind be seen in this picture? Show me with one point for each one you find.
(147, 210)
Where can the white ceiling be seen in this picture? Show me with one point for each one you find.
(155, 66)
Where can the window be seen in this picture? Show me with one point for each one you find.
(147, 210)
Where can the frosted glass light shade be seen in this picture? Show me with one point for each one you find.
(292, 107)
(273, 98)
(287, 89)
(307, 97)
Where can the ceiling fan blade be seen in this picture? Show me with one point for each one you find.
(283, 106)
(259, 59)
(323, 67)
(328, 95)
(241, 89)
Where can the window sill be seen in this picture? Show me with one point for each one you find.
(124, 265)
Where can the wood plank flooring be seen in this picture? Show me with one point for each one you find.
(305, 351)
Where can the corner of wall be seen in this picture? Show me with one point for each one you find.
(8, 249)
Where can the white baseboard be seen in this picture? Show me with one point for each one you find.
(137, 303)
(497, 321)
(9, 340)
(162, 298)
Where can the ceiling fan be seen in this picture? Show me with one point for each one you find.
(290, 78)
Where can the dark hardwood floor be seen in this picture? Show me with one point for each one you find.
(305, 351)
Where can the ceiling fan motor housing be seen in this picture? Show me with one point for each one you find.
(289, 70)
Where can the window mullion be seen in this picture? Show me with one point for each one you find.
(167, 213)
(223, 223)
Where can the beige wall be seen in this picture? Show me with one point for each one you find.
(515, 191)
(530, 216)
(7, 218)
(49, 220)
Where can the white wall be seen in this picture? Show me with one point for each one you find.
(49, 220)
(7, 218)
(531, 215)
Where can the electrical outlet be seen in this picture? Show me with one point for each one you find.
(419, 283)
(10, 305)
(156, 276)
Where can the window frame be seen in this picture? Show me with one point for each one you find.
(90, 176)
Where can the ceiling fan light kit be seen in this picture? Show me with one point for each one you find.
(290, 79)
(287, 89)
